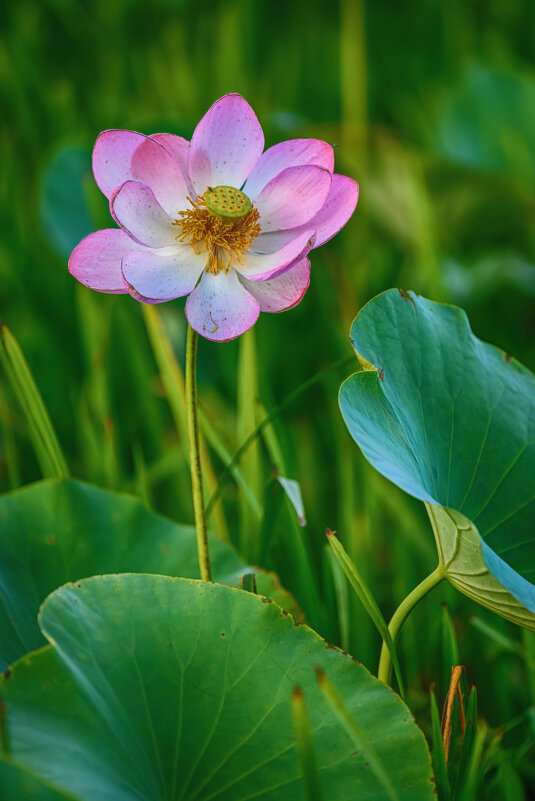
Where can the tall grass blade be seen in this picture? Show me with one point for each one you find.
(293, 493)
(10, 455)
(271, 442)
(447, 715)
(503, 642)
(528, 638)
(439, 760)
(450, 648)
(95, 322)
(368, 601)
(474, 774)
(219, 447)
(45, 442)
(288, 400)
(467, 746)
(342, 599)
(282, 546)
(173, 381)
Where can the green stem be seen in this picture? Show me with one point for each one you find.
(401, 614)
(195, 455)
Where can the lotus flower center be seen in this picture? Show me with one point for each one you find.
(228, 203)
(221, 223)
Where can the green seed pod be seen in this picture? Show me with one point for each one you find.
(227, 203)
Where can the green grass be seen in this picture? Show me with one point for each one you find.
(431, 108)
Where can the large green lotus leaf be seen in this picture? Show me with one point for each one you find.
(451, 420)
(58, 531)
(158, 688)
(16, 784)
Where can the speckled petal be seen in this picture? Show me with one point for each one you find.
(336, 211)
(225, 145)
(134, 207)
(261, 266)
(120, 156)
(292, 153)
(96, 261)
(163, 274)
(220, 308)
(178, 147)
(340, 204)
(293, 197)
(283, 292)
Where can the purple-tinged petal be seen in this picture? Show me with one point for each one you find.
(120, 156)
(225, 145)
(134, 207)
(336, 211)
(274, 240)
(292, 153)
(96, 261)
(283, 292)
(293, 197)
(340, 204)
(178, 147)
(142, 299)
(220, 308)
(261, 266)
(164, 274)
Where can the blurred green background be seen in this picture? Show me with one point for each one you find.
(431, 107)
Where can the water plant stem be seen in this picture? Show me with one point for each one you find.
(195, 455)
(400, 615)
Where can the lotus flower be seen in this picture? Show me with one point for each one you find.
(216, 218)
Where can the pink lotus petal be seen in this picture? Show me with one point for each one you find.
(292, 153)
(261, 266)
(164, 274)
(220, 308)
(96, 261)
(340, 204)
(225, 145)
(293, 197)
(283, 292)
(336, 211)
(178, 147)
(142, 299)
(274, 240)
(134, 207)
(120, 156)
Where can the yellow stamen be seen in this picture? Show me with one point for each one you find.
(223, 242)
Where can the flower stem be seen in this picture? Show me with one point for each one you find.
(195, 455)
(400, 615)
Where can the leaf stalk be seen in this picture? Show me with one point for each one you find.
(401, 614)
